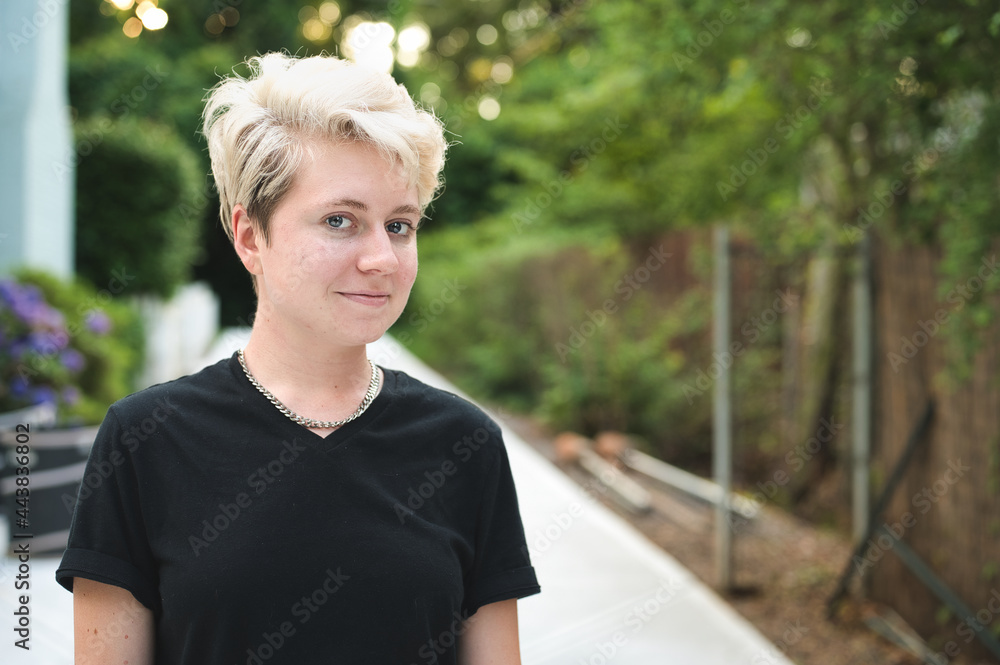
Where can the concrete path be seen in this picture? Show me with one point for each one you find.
(609, 595)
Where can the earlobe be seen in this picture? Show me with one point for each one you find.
(245, 239)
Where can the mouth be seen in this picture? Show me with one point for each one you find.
(370, 298)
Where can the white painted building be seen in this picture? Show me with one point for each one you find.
(36, 149)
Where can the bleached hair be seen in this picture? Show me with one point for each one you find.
(259, 127)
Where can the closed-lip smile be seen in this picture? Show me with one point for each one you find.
(372, 298)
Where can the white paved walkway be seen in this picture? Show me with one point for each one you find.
(609, 595)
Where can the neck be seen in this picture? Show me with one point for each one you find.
(314, 378)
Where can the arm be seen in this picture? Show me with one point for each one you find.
(490, 636)
(110, 625)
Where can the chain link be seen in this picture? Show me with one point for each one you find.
(309, 422)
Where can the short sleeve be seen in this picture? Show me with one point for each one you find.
(501, 567)
(107, 538)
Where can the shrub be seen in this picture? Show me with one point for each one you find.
(65, 343)
(139, 205)
(524, 325)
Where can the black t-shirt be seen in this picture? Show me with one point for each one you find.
(254, 540)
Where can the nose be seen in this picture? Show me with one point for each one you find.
(377, 253)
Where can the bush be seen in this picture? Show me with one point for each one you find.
(140, 202)
(526, 326)
(65, 343)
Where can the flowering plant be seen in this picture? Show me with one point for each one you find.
(57, 347)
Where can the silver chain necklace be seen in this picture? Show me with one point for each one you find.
(309, 422)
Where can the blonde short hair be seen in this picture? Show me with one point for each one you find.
(258, 128)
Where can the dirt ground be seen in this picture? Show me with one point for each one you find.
(784, 570)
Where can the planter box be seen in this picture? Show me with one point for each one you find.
(56, 461)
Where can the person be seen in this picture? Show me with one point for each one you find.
(295, 503)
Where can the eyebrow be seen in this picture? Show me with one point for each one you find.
(363, 207)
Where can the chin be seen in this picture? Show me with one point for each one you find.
(369, 334)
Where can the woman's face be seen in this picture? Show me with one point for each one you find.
(342, 255)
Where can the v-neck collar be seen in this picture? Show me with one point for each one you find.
(288, 428)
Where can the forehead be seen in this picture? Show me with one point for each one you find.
(350, 170)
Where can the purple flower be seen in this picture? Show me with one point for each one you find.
(70, 395)
(72, 360)
(19, 387)
(19, 349)
(98, 322)
(8, 291)
(43, 395)
(47, 343)
(28, 305)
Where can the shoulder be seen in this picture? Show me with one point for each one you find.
(417, 395)
(187, 393)
(448, 416)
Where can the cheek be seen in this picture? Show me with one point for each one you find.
(408, 267)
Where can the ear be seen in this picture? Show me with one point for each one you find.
(246, 240)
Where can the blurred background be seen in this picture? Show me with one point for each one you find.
(846, 154)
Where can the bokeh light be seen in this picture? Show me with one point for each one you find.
(487, 34)
(370, 44)
(479, 69)
(316, 30)
(799, 38)
(329, 13)
(307, 13)
(132, 27)
(154, 19)
(214, 25)
(122, 4)
(144, 7)
(430, 93)
(230, 16)
(412, 41)
(317, 24)
(489, 108)
(415, 37)
(503, 70)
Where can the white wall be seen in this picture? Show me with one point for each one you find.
(36, 150)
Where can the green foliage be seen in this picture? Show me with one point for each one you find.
(88, 355)
(139, 204)
(621, 120)
(552, 329)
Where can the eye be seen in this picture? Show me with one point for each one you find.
(400, 228)
(338, 221)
